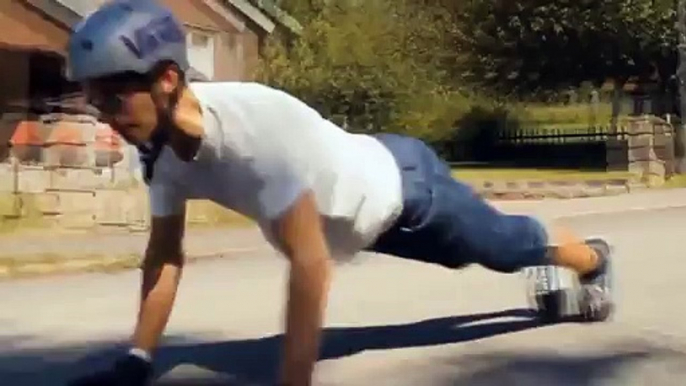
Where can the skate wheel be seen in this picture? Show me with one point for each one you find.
(550, 306)
(594, 310)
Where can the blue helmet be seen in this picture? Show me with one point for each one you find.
(125, 36)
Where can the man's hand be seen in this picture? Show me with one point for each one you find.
(161, 274)
(301, 234)
(129, 370)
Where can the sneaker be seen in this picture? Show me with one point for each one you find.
(595, 301)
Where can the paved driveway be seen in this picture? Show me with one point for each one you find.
(391, 322)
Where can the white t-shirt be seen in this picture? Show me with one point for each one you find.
(263, 148)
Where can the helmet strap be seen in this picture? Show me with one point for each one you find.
(150, 151)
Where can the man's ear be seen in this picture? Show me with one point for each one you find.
(169, 79)
(166, 84)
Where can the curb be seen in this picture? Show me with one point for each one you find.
(626, 210)
(507, 190)
(637, 202)
(101, 264)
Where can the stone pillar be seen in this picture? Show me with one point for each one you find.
(664, 144)
(644, 163)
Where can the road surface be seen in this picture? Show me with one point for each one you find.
(390, 322)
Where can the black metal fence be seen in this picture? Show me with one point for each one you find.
(582, 148)
(561, 136)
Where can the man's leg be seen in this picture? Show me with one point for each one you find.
(445, 222)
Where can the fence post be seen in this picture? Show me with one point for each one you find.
(595, 107)
(15, 174)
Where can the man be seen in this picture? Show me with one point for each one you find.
(316, 191)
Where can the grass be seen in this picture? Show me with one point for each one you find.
(559, 119)
(206, 214)
(48, 263)
(476, 174)
(548, 114)
(20, 212)
(567, 127)
(677, 181)
(14, 225)
(480, 174)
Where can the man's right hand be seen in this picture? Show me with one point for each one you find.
(129, 370)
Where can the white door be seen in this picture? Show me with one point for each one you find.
(201, 52)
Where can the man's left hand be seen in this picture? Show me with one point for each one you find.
(129, 370)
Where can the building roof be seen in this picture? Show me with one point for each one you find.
(275, 12)
(58, 11)
(262, 12)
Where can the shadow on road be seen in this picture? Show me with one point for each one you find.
(624, 367)
(254, 361)
(249, 361)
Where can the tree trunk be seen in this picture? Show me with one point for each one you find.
(680, 143)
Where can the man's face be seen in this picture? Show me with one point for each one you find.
(127, 104)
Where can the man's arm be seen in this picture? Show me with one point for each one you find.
(162, 268)
(301, 234)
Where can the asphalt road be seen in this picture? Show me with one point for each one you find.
(390, 322)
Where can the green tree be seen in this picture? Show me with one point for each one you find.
(370, 65)
(523, 46)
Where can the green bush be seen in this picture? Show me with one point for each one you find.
(369, 66)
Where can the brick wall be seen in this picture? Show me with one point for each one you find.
(53, 174)
(72, 198)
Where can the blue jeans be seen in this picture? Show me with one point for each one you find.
(444, 222)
